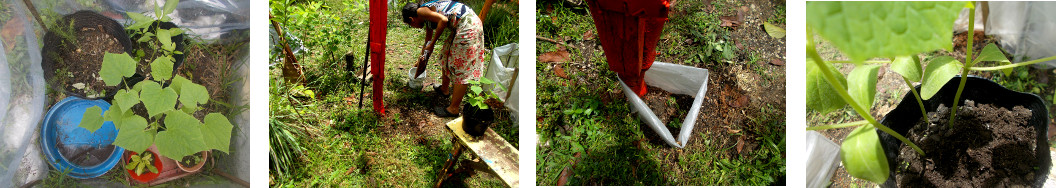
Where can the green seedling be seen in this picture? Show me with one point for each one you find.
(477, 96)
(898, 31)
(141, 163)
(168, 100)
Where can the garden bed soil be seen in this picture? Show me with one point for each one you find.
(987, 146)
(83, 60)
(668, 107)
(211, 65)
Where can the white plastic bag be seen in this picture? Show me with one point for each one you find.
(823, 157)
(677, 79)
(21, 99)
(501, 69)
(1024, 29)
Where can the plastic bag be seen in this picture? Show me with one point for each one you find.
(1024, 29)
(677, 79)
(21, 96)
(823, 157)
(501, 69)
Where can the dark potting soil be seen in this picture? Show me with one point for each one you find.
(187, 160)
(667, 106)
(987, 146)
(83, 155)
(83, 60)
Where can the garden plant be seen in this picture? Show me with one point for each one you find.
(900, 32)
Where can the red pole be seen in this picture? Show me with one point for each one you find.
(629, 31)
(378, 27)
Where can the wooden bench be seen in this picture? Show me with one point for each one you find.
(495, 153)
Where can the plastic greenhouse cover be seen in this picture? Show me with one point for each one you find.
(21, 96)
(1024, 29)
(823, 157)
(678, 79)
(503, 63)
(209, 19)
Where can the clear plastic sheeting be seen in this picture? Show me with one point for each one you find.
(823, 157)
(21, 96)
(296, 45)
(209, 19)
(677, 79)
(501, 70)
(1024, 29)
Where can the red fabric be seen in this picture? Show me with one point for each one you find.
(629, 31)
(378, 26)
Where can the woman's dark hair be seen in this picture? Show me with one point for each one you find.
(410, 10)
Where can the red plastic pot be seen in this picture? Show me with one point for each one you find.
(147, 176)
(628, 31)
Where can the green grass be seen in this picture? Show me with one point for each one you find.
(344, 146)
(611, 141)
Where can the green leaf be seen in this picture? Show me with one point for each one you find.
(192, 94)
(821, 96)
(165, 37)
(161, 69)
(217, 132)
(140, 21)
(178, 82)
(134, 136)
(992, 53)
(773, 30)
(156, 99)
(115, 67)
(476, 89)
(127, 118)
(92, 119)
(939, 71)
(861, 84)
(865, 30)
(125, 99)
(182, 137)
(862, 155)
(907, 66)
(170, 5)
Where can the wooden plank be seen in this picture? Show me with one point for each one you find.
(493, 150)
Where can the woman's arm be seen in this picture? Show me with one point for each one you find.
(441, 23)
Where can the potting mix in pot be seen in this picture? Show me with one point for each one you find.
(986, 146)
(74, 49)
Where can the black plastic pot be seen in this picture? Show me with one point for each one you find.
(476, 120)
(53, 44)
(980, 90)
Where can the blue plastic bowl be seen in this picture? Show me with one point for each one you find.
(61, 124)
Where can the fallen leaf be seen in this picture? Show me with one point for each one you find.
(560, 72)
(350, 170)
(78, 85)
(738, 102)
(348, 100)
(554, 56)
(774, 31)
(732, 131)
(588, 35)
(777, 61)
(729, 21)
(10, 32)
(740, 144)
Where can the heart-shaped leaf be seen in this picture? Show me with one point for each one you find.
(156, 99)
(865, 30)
(182, 137)
(862, 155)
(821, 96)
(134, 136)
(192, 94)
(92, 119)
(217, 132)
(939, 71)
(161, 69)
(115, 67)
(907, 66)
(861, 84)
(125, 99)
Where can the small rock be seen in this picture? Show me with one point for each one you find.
(776, 61)
(78, 85)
